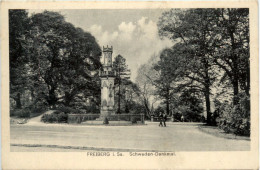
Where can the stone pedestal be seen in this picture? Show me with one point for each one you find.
(106, 112)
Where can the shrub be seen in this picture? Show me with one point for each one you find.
(12, 113)
(62, 118)
(66, 109)
(235, 118)
(21, 113)
(177, 116)
(158, 110)
(36, 111)
(55, 117)
(106, 121)
(91, 109)
(133, 120)
(49, 118)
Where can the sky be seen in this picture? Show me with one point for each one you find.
(132, 33)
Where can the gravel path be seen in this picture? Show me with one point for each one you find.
(174, 137)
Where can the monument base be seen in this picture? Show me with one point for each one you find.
(106, 113)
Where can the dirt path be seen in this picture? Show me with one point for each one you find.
(37, 120)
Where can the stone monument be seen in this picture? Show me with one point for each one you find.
(107, 76)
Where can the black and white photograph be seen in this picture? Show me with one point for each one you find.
(135, 82)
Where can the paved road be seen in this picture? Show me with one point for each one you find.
(175, 137)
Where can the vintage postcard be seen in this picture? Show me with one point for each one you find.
(130, 85)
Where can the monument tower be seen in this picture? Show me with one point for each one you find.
(107, 76)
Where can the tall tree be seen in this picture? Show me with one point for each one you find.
(81, 66)
(122, 76)
(192, 29)
(144, 81)
(232, 47)
(130, 93)
(168, 72)
(64, 57)
(18, 26)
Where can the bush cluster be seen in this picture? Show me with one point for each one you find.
(235, 118)
(20, 113)
(66, 109)
(106, 122)
(55, 117)
(133, 120)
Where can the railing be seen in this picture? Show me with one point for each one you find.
(79, 118)
(157, 119)
(127, 117)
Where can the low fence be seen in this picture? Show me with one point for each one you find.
(127, 117)
(157, 119)
(78, 118)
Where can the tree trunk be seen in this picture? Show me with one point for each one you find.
(168, 107)
(52, 98)
(68, 99)
(235, 91)
(207, 90)
(32, 95)
(248, 78)
(235, 66)
(207, 98)
(18, 101)
(235, 81)
(168, 102)
(119, 95)
(207, 94)
(146, 105)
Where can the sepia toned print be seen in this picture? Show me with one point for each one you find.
(194, 75)
(131, 83)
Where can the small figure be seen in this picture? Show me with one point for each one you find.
(160, 118)
(182, 118)
(164, 119)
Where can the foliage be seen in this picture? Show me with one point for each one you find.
(121, 69)
(122, 78)
(55, 117)
(232, 47)
(52, 63)
(137, 108)
(158, 110)
(91, 109)
(64, 56)
(18, 26)
(67, 110)
(144, 81)
(214, 43)
(133, 120)
(236, 118)
(193, 106)
(20, 113)
(177, 116)
(168, 71)
(192, 29)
